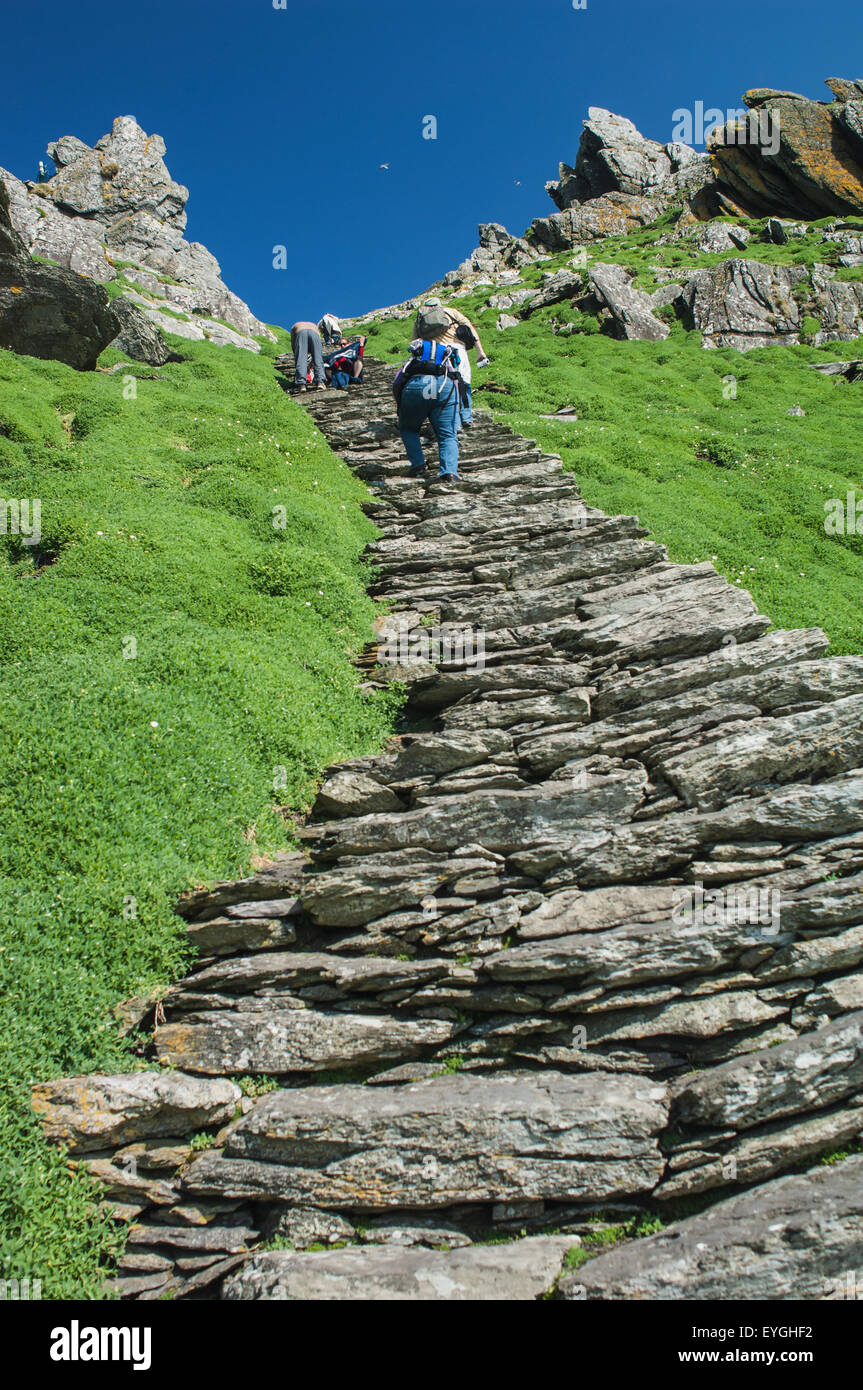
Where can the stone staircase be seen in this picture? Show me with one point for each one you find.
(583, 943)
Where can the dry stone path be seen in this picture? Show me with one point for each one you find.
(586, 939)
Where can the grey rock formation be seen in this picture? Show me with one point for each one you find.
(744, 304)
(788, 157)
(795, 1238)
(620, 181)
(45, 311)
(117, 202)
(631, 309)
(138, 338)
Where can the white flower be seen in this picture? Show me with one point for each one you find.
(154, 723)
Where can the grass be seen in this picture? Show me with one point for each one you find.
(696, 443)
(176, 669)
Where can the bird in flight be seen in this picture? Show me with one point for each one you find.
(517, 183)
(383, 166)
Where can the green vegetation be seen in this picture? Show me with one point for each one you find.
(176, 658)
(256, 1086)
(698, 444)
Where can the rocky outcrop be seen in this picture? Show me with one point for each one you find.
(620, 182)
(116, 208)
(590, 929)
(745, 304)
(811, 169)
(786, 156)
(45, 311)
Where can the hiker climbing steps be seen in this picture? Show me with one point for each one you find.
(583, 940)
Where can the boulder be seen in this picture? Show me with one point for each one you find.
(46, 311)
(138, 337)
(717, 237)
(305, 1226)
(631, 309)
(349, 793)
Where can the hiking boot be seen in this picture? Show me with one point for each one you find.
(298, 388)
(417, 472)
(449, 482)
(321, 386)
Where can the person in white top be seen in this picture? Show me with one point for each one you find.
(465, 340)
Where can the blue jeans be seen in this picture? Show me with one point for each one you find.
(433, 398)
(466, 403)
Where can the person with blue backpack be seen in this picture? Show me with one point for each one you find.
(428, 387)
(449, 326)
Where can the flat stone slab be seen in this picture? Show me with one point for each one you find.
(501, 821)
(798, 1237)
(294, 1040)
(443, 1141)
(824, 741)
(516, 1272)
(812, 1072)
(96, 1112)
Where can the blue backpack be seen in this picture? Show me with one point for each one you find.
(428, 358)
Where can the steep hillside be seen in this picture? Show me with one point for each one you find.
(177, 635)
(176, 669)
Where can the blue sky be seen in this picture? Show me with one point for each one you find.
(277, 119)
